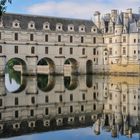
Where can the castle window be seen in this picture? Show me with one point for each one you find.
(94, 95)
(134, 51)
(124, 39)
(16, 24)
(110, 51)
(94, 51)
(70, 27)
(94, 107)
(71, 109)
(93, 29)
(46, 38)
(46, 110)
(0, 49)
(33, 100)
(31, 112)
(16, 49)
(134, 107)
(94, 40)
(110, 40)
(83, 51)
(16, 36)
(83, 96)
(59, 38)
(110, 107)
(60, 50)
(31, 25)
(59, 27)
(46, 26)
(134, 40)
(82, 39)
(16, 114)
(71, 97)
(46, 50)
(71, 39)
(71, 50)
(82, 28)
(82, 108)
(32, 50)
(124, 109)
(16, 100)
(0, 102)
(59, 110)
(124, 50)
(46, 99)
(31, 37)
(60, 98)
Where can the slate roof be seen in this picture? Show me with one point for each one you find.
(132, 25)
(8, 19)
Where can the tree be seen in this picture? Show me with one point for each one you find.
(3, 6)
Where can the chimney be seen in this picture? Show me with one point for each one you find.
(97, 19)
(129, 11)
(125, 19)
(114, 15)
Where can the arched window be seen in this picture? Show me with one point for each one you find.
(59, 27)
(16, 24)
(31, 25)
(82, 28)
(46, 26)
(71, 27)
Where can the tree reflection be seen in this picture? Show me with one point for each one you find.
(45, 82)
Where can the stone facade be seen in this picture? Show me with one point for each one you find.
(70, 102)
(104, 45)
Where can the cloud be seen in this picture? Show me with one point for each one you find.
(80, 8)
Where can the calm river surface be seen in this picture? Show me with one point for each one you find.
(83, 107)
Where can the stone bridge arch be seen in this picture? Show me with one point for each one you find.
(45, 83)
(46, 66)
(89, 65)
(71, 82)
(14, 69)
(16, 64)
(71, 66)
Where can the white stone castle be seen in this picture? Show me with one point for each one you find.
(105, 45)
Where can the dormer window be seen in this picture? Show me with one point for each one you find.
(82, 28)
(94, 30)
(46, 26)
(16, 24)
(70, 27)
(59, 27)
(31, 25)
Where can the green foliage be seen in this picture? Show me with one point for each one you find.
(3, 6)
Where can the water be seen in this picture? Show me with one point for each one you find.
(69, 107)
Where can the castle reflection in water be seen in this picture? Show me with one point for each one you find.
(46, 103)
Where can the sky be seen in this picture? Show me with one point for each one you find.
(70, 8)
(72, 134)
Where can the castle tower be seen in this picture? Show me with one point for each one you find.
(97, 20)
(114, 15)
(125, 19)
(118, 26)
(129, 11)
(111, 29)
(103, 25)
